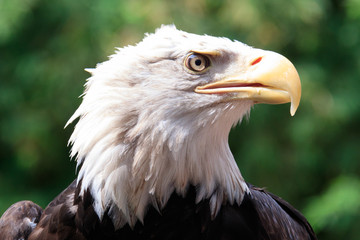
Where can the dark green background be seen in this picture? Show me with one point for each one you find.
(312, 160)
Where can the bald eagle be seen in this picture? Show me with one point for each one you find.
(151, 145)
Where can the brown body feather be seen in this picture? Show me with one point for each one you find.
(19, 220)
(261, 215)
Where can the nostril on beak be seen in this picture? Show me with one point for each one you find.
(256, 61)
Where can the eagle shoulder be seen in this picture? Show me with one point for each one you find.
(279, 218)
(58, 218)
(19, 220)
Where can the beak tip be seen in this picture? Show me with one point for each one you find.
(293, 108)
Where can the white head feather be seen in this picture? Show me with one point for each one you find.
(144, 133)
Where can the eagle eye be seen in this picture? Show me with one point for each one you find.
(197, 62)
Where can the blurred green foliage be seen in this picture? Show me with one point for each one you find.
(311, 160)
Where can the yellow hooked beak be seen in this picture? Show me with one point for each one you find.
(269, 78)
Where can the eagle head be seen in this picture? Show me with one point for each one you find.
(155, 119)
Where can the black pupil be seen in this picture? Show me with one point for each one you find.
(197, 62)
